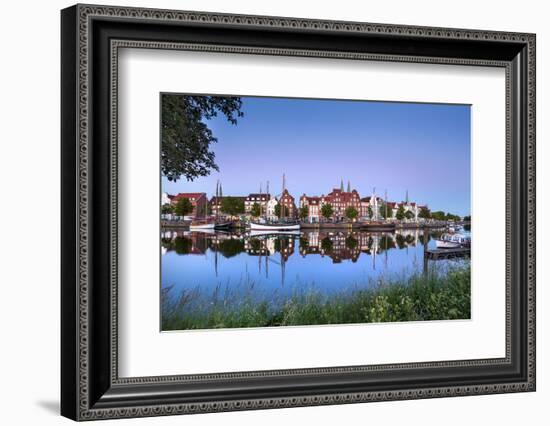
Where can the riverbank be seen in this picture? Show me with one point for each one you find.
(418, 298)
(184, 225)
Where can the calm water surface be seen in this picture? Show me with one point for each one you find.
(232, 265)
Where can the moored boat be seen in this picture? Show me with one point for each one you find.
(276, 226)
(378, 226)
(271, 232)
(223, 225)
(450, 241)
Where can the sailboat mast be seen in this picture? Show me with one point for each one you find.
(260, 203)
(386, 204)
(217, 198)
(282, 195)
(267, 198)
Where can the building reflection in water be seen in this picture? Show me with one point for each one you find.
(338, 246)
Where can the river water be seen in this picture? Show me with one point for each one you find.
(233, 265)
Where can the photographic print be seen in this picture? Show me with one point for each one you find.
(300, 212)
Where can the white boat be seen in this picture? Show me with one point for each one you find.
(283, 225)
(448, 241)
(278, 226)
(267, 233)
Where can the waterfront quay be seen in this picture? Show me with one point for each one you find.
(339, 208)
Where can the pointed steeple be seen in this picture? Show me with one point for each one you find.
(221, 195)
(407, 197)
(342, 185)
(349, 186)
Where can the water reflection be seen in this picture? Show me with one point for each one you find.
(327, 260)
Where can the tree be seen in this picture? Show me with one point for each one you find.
(351, 213)
(304, 212)
(451, 216)
(439, 215)
(400, 215)
(186, 139)
(231, 247)
(278, 210)
(183, 245)
(424, 213)
(183, 207)
(370, 213)
(385, 211)
(409, 215)
(467, 218)
(351, 242)
(167, 208)
(255, 210)
(232, 206)
(326, 245)
(327, 211)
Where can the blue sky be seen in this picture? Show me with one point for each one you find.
(422, 148)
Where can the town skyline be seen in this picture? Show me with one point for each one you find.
(422, 149)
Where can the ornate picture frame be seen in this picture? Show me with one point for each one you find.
(91, 37)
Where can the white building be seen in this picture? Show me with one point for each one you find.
(260, 199)
(164, 199)
(270, 211)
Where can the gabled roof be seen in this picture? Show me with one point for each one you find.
(214, 199)
(258, 195)
(190, 195)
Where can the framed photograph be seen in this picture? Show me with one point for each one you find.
(264, 212)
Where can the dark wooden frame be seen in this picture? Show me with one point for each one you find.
(90, 386)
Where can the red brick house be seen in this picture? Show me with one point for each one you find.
(340, 201)
(288, 205)
(198, 201)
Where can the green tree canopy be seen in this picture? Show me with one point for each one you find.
(384, 212)
(186, 139)
(304, 212)
(183, 207)
(439, 215)
(327, 211)
(232, 206)
(451, 216)
(351, 242)
(167, 208)
(255, 210)
(278, 210)
(370, 213)
(424, 213)
(409, 214)
(326, 244)
(351, 213)
(230, 248)
(400, 215)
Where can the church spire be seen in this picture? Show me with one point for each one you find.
(342, 185)
(349, 186)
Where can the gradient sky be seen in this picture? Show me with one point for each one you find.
(424, 148)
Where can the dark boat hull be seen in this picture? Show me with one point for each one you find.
(378, 227)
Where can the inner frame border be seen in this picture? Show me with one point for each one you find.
(117, 44)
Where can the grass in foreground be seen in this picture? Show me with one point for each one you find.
(420, 298)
